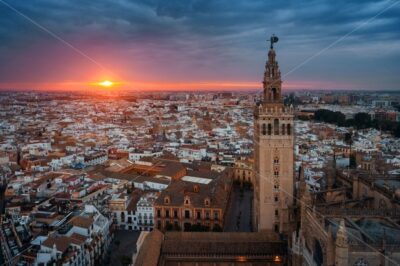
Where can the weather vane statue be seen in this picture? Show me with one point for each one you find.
(273, 40)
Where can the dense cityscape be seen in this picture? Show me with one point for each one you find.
(199, 133)
(77, 170)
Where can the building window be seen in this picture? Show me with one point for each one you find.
(276, 159)
(276, 126)
(276, 212)
(283, 129)
(276, 199)
(276, 228)
(269, 129)
(167, 213)
(187, 200)
(207, 215)
(207, 202)
(274, 91)
(166, 200)
(175, 214)
(187, 214)
(158, 213)
(198, 215)
(276, 173)
(289, 129)
(216, 215)
(264, 129)
(196, 188)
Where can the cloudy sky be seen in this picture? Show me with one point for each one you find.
(198, 44)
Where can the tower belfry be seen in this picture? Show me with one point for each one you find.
(272, 76)
(273, 153)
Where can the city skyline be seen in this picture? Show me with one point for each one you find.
(188, 132)
(174, 45)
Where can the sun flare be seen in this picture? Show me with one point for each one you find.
(106, 83)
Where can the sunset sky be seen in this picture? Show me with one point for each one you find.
(193, 44)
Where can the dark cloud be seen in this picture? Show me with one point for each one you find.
(202, 39)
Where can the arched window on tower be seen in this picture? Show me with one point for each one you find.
(274, 94)
(276, 126)
(264, 129)
(289, 129)
(283, 129)
(269, 129)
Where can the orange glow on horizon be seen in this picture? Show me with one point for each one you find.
(171, 86)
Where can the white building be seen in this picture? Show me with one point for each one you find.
(81, 241)
(96, 158)
(130, 213)
(136, 155)
(151, 183)
(145, 211)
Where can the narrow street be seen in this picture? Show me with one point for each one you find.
(122, 247)
(2, 190)
(238, 217)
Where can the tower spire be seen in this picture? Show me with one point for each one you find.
(272, 76)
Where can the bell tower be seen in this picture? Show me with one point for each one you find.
(272, 77)
(273, 153)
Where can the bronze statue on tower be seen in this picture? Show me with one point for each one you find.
(273, 40)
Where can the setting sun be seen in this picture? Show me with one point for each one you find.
(106, 83)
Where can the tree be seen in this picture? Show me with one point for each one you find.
(199, 228)
(348, 138)
(352, 161)
(330, 117)
(125, 260)
(169, 227)
(247, 184)
(362, 120)
(217, 228)
(397, 130)
(177, 227)
(236, 182)
(241, 191)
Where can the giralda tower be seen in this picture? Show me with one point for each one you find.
(273, 153)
